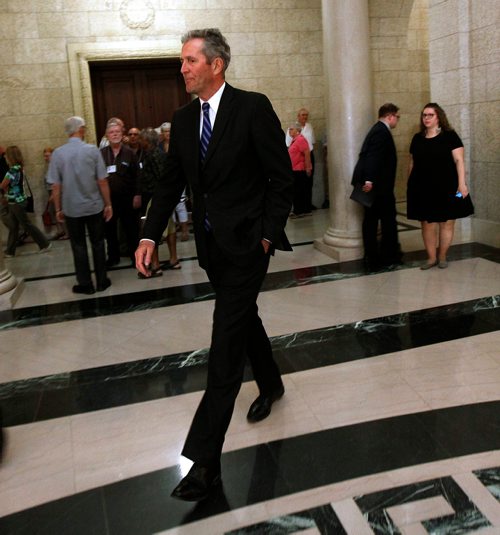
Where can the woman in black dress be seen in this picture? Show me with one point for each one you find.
(437, 192)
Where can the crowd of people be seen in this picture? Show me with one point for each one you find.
(131, 162)
(135, 158)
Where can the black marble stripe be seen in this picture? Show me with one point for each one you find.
(151, 299)
(142, 505)
(104, 387)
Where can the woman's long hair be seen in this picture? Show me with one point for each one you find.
(442, 119)
(14, 156)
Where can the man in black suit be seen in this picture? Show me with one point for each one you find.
(228, 146)
(375, 172)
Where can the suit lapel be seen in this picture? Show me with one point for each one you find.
(223, 114)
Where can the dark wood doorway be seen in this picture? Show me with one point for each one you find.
(141, 92)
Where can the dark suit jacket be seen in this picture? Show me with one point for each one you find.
(244, 185)
(377, 160)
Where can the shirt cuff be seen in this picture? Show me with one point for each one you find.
(148, 240)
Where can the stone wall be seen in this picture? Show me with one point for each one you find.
(400, 58)
(465, 80)
(276, 47)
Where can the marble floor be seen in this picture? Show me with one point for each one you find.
(390, 422)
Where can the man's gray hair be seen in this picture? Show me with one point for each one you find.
(73, 124)
(215, 44)
(165, 127)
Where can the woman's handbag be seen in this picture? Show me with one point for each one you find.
(30, 203)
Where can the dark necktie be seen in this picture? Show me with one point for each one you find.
(206, 134)
(206, 131)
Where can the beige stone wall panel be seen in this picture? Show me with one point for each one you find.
(486, 190)
(394, 60)
(63, 25)
(418, 60)
(229, 4)
(210, 18)
(441, 24)
(287, 4)
(394, 26)
(299, 65)
(169, 22)
(485, 46)
(244, 44)
(383, 41)
(248, 20)
(485, 121)
(302, 20)
(55, 75)
(18, 26)
(182, 4)
(312, 87)
(485, 13)
(39, 51)
(444, 55)
(280, 87)
(390, 8)
(21, 76)
(255, 66)
(284, 42)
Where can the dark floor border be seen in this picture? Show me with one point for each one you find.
(151, 299)
(142, 505)
(55, 396)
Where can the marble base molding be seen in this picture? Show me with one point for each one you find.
(10, 289)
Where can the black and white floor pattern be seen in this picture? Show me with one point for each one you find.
(390, 422)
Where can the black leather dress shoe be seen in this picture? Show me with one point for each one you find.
(261, 407)
(104, 285)
(198, 483)
(83, 289)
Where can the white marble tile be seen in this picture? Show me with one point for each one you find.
(339, 396)
(37, 466)
(123, 442)
(351, 517)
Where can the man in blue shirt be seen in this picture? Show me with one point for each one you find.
(82, 199)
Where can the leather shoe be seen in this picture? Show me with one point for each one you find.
(83, 289)
(261, 407)
(198, 483)
(104, 285)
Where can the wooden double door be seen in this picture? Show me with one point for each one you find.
(141, 92)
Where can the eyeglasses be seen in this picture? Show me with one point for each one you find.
(426, 115)
(133, 134)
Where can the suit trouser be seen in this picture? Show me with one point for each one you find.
(237, 333)
(301, 198)
(76, 228)
(130, 219)
(383, 210)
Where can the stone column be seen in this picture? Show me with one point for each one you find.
(348, 79)
(7, 281)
